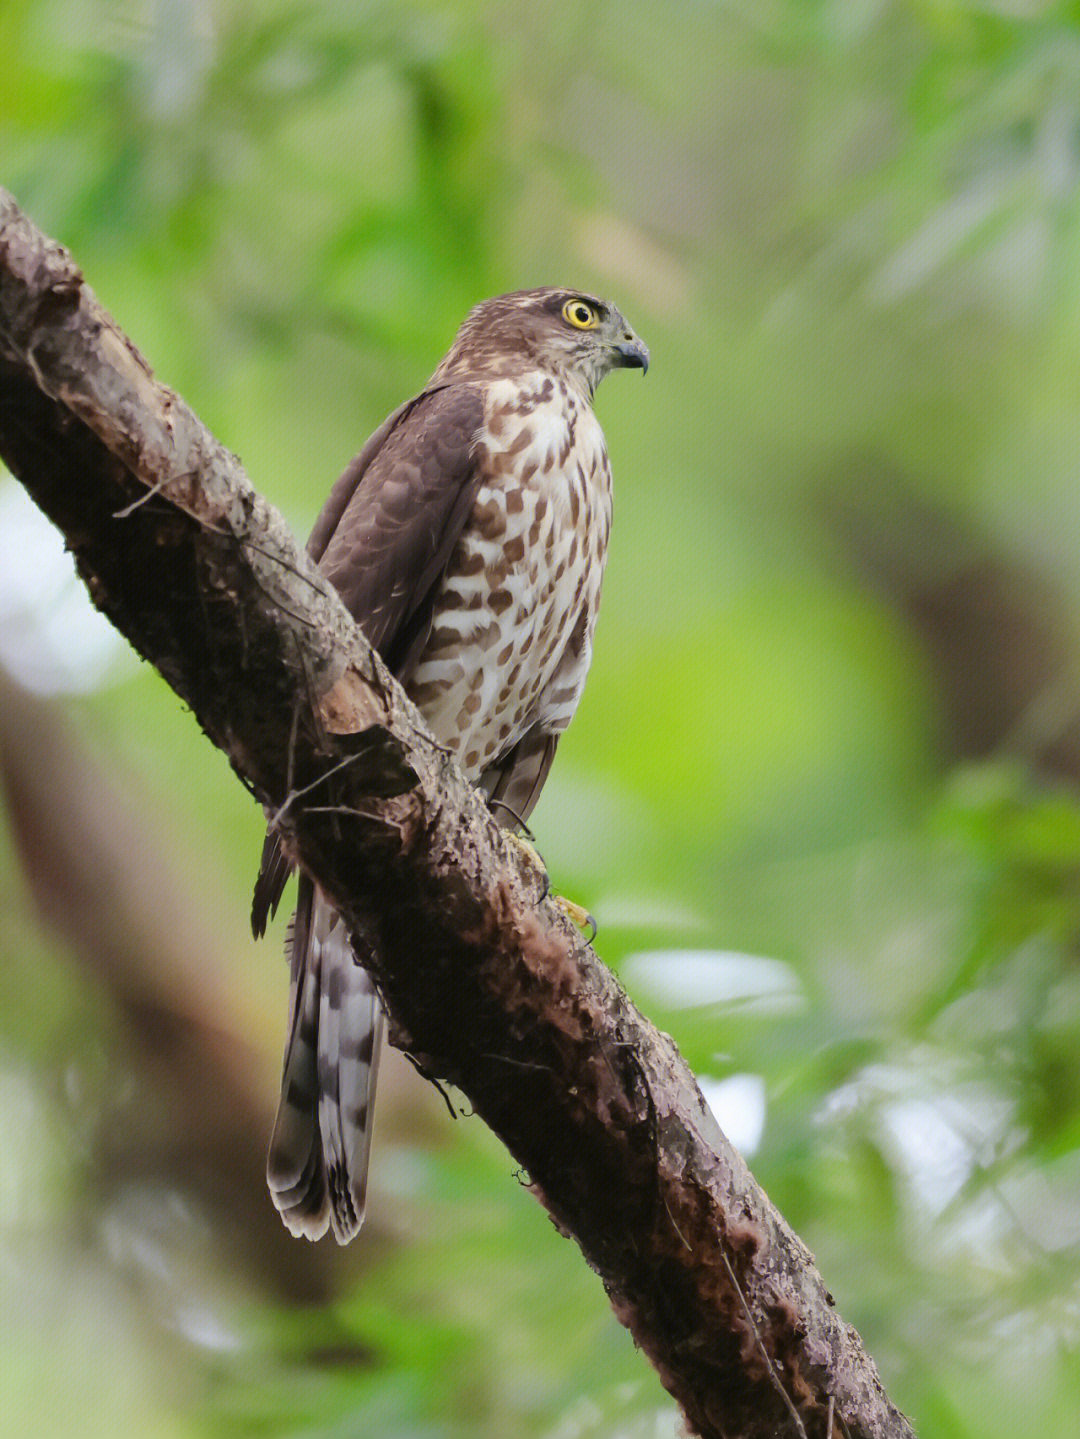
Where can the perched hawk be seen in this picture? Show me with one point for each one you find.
(468, 541)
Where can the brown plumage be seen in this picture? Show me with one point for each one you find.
(468, 541)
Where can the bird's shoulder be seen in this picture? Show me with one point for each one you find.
(419, 445)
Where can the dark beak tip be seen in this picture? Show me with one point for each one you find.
(634, 356)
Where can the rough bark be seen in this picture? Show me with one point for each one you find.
(486, 983)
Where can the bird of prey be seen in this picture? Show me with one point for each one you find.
(468, 541)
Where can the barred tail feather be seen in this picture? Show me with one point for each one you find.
(350, 1034)
(318, 1159)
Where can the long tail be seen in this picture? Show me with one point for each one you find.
(318, 1160)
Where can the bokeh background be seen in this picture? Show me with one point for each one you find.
(823, 793)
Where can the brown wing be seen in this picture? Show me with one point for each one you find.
(387, 530)
(383, 539)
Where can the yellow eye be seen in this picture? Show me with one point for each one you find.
(579, 314)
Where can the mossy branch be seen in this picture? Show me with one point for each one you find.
(486, 984)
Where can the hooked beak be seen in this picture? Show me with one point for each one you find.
(632, 354)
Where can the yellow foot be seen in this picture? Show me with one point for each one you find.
(575, 912)
(580, 916)
(528, 852)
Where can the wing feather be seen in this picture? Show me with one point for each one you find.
(383, 539)
(395, 532)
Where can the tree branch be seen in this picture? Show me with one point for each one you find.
(487, 986)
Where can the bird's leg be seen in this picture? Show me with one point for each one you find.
(574, 912)
(531, 855)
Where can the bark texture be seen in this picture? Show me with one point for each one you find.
(486, 983)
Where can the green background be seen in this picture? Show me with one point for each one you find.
(833, 720)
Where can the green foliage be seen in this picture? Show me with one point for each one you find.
(832, 720)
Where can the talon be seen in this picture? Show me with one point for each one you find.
(574, 912)
(577, 913)
(522, 827)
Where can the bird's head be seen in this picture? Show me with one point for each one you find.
(567, 333)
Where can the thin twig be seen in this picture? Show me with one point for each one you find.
(153, 490)
(351, 810)
(774, 1376)
(431, 1080)
(678, 1231)
(295, 794)
(319, 586)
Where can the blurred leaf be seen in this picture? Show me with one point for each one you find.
(833, 714)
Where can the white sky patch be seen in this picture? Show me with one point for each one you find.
(690, 978)
(52, 640)
(931, 1146)
(739, 1106)
(937, 1124)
